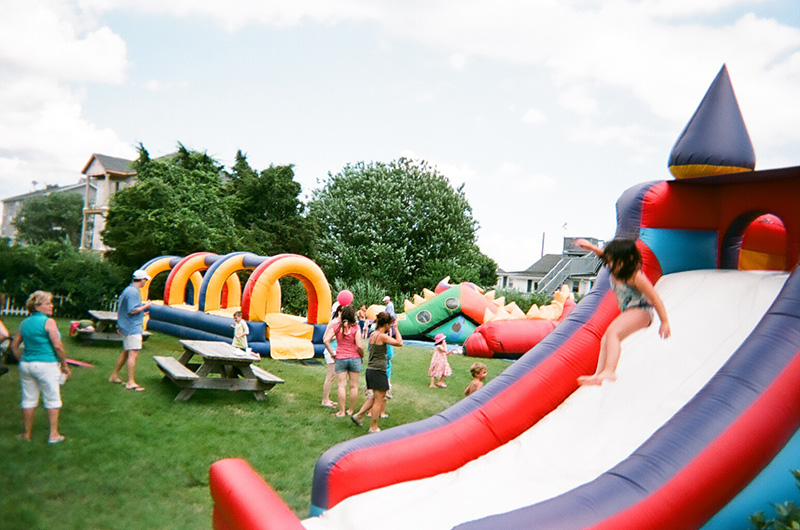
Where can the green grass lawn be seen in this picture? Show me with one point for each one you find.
(140, 459)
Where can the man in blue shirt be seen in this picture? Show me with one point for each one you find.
(389, 306)
(130, 320)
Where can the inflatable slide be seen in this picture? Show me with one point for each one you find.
(699, 430)
(690, 426)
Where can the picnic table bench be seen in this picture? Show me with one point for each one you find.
(234, 367)
(105, 328)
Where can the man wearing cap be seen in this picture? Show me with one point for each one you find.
(389, 306)
(130, 320)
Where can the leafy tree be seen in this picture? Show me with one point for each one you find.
(81, 281)
(267, 210)
(21, 272)
(176, 207)
(787, 514)
(400, 225)
(52, 217)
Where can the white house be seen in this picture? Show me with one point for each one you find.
(575, 267)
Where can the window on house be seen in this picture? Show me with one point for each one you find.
(530, 284)
(505, 281)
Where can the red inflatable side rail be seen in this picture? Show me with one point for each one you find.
(243, 501)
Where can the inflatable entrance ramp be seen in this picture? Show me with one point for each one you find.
(289, 337)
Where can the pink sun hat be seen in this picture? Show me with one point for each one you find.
(438, 338)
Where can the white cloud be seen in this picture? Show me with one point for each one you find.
(155, 85)
(46, 48)
(651, 49)
(458, 61)
(236, 14)
(534, 116)
(50, 39)
(578, 100)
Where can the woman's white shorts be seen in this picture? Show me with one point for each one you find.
(38, 377)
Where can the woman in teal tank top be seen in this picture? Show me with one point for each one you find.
(42, 363)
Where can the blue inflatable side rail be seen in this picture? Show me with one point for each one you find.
(200, 321)
(197, 325)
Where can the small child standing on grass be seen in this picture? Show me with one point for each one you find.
(479, 372)
(439, 368)
(240, 331)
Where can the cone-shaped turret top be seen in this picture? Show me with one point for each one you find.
(715, 141)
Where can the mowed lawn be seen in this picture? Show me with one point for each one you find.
(141, 460)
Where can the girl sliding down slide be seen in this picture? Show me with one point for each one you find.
(636, 297)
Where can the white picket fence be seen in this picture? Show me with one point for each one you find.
(12, 308)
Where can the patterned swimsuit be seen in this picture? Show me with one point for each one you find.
(629, 297)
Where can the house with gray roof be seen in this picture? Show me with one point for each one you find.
(108, 175)
(574, 267)
(13, 205)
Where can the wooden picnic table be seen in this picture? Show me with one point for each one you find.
(234, 366)
(105, 328)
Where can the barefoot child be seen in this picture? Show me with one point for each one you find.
(240, 331)
(636, 297)
(478, 371)
(439, 368)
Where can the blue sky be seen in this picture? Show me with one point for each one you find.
(546, 111)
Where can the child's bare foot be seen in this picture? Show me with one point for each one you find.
(432, 386)
(607, 376)
(115, 380)
(596, 379)
(589, 380)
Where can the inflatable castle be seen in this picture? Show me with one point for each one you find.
(203, 290)
(699, 431)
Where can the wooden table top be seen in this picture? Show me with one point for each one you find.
(212, 349)
(103, 315)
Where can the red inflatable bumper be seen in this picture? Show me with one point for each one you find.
(510, 339)
(243, 501)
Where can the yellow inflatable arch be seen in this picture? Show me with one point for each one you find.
(260, 294)
(188, 269)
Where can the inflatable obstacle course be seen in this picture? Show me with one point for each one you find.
(203, 290)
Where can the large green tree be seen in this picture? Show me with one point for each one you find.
(52, 217)
(400, 225)
(80, 280)
(267, 210)
(176, 207)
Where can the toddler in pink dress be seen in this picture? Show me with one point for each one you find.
(439, 368)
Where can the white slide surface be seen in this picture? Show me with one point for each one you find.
(711, 312)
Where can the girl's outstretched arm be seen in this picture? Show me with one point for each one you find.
(580, 242)
(641, 282)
